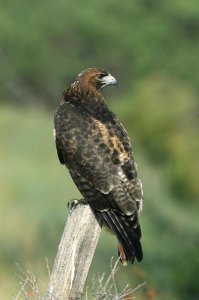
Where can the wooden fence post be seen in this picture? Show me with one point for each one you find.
(74, 256)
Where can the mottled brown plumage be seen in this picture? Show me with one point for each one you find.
(95, 148)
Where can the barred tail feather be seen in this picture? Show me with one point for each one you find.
(127, 235)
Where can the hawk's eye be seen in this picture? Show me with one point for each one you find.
(100, 76)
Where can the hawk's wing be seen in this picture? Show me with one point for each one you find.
(99, 152)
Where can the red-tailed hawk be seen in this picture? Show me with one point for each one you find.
(95, 148)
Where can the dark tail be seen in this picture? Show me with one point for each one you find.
(127, 234)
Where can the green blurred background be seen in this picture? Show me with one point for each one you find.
(152, 48)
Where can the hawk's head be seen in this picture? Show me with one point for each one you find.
(97, 78)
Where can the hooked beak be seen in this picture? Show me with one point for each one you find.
(109, 80)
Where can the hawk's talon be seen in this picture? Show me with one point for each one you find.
(72, 204)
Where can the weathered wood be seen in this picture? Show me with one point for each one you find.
(74, 256)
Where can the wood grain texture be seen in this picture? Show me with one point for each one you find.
(74, 256)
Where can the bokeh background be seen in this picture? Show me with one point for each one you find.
(152, 48)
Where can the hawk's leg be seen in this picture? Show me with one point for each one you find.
(72, 204)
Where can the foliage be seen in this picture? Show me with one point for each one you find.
(103, 288)
(106, 287)
(34, 192)
(153, 42)
(29, 287)
(44, 44)
(152, 48)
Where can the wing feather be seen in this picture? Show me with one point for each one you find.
(96, 151)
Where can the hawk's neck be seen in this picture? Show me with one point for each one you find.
(87, 96)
